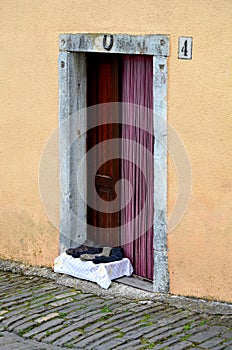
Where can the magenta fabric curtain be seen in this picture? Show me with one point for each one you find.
(137, 89)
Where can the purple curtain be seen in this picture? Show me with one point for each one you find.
(137, 89)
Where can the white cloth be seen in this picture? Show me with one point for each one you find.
(102, 273)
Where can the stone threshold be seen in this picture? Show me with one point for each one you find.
(120, 289)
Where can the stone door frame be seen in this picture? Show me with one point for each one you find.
(72, 99)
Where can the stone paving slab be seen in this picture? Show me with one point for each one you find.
(36, 313)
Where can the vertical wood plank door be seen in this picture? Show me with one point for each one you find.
(103, 87)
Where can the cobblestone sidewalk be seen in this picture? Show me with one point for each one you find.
(36, 313)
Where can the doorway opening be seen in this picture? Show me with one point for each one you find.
(124, 79)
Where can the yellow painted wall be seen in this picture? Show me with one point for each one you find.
(199, 108)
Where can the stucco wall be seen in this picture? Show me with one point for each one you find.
(199, 108)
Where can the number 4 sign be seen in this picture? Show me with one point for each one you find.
(185, 48)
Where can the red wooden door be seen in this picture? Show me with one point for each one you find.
(103, 87)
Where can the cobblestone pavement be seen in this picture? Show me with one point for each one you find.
(36, 313)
